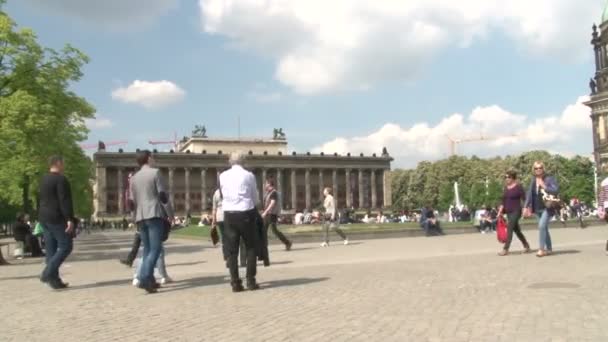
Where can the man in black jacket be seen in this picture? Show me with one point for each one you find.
(57, 217)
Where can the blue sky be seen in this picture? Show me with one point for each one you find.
(330, 88)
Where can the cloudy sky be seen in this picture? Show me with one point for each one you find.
(337, 76)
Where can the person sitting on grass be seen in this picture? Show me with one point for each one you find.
(429, 222)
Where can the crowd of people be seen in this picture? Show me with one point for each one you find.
(243, 222)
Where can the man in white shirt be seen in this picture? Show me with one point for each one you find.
(239, 195)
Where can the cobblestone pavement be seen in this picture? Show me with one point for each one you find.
(452, 288)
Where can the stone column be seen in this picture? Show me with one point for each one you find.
(361, 202)
(121, 192)
(171, 193)
(321, 184)
(349, 195)
(334, 183)
(262, 191)
(280, 185)
(307, 185)
(386, 186)
(187, 194)
(203, 190)
(294, 192)
(373, 186)
(101, 196)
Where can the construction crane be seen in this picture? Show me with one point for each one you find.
(111, 143)
(453, 143)
(165, 142)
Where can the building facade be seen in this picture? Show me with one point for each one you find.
(360, 182)
(599, 92)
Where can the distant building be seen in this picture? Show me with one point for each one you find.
(599, 92)
(192, 171)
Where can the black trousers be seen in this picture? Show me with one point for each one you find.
(271, 221)
(134, 248)
(240, 225)
(513, 227)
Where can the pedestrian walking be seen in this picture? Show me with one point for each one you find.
(512, 198)
(272, 210)
(149, 200)
(56, 215)
(330, 217)
(541, 195)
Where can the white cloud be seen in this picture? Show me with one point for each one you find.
(151, 95)
(569, 132)
(323, 45)
(111, 14)
(98, 123)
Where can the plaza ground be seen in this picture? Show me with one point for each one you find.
(452, 288)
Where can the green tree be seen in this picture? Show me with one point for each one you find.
(39, 115)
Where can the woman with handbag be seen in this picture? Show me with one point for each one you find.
(330, 218)
(542, 200)
(512, 198)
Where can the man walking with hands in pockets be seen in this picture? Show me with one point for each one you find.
(239, 196)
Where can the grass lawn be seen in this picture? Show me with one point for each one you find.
(203, 232)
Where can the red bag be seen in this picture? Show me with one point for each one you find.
(501, 230)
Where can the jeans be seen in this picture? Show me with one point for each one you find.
(431, 229)
(513, 226)
(241, 226)
(58, 247)
(544, 238)
(160, 265)
(328, 223)
(150, 231)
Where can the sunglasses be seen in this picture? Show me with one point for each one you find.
(538, 168)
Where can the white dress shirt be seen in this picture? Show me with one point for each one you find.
(239, 189)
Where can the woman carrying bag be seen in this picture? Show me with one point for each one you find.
(512, 198)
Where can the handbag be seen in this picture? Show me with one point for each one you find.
(551, 201)
(166, 225)
(501, 230)
(214, 235)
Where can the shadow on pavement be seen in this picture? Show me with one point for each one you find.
(291, 282)
(566, 251)
(21, 277)
(119, 282)
(195, 282)
(186, 263)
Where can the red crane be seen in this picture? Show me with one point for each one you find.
(165, 142)
(111, 143)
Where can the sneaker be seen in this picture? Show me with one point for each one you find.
(166, 280)
(136, 282)
(324, 244)
(345, 242)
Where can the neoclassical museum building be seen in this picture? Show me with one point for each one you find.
(192, 170)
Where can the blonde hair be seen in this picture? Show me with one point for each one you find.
(538, 164)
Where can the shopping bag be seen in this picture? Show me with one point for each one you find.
(501, 230)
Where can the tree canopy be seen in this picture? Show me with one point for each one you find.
(481, 180)
(40, 116)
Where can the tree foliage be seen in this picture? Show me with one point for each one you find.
(40, 116)
(481, 180)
